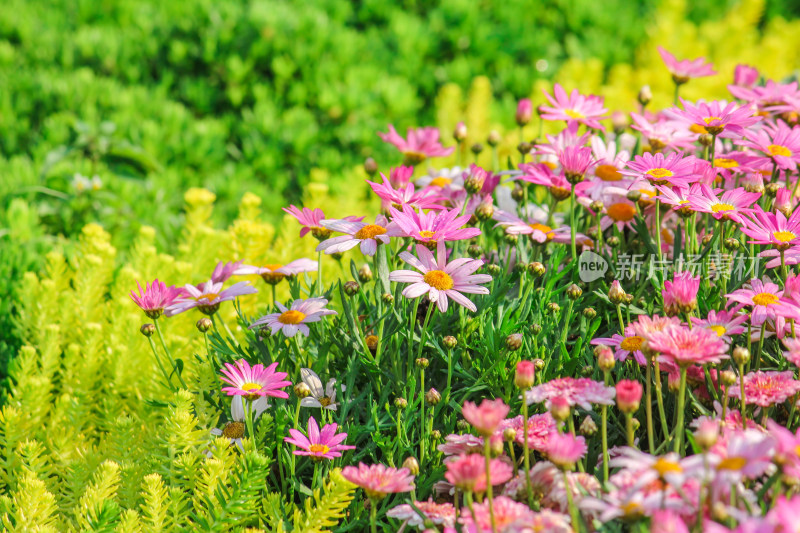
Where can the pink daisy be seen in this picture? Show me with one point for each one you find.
(670, 468)
(575, 108)
(556, 143)
(772, 228)
(664, 134)
(291, 320)
(624, 347)
(766, 388)
(440, 514)
(379, 480)
(557, 184)
(675, 169)
(433, 227)
(733, 205)
(565, 449)
(680, 294)
(224, 271)
(609, 160)
(422, 143)
(779, 143)
(575, 162)
(729, 121)
(619, 212)
(744, 455)
(366, 236)
(765, 300)
(684, 70)
(324, 444)
(311, 220)
(724, 323)
(274, 273)
(540, 427)
(468, 472)
(745, 76)
(792, 353)
(684, 346)
(441, 280)
(154, 298)
(486, 417)
(461, 444)
(254, 382)
(401, 195)
(509, 516)
(678, 197)
(537, 231)
(770, 95)
(207, 296)
(577, 391)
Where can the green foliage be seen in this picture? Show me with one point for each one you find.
(326, 510)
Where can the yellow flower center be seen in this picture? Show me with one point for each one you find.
(233, 430)
(211, 296)
(291, 316)
(719, 330)
(724, 162)
(413, 158)
(250, 387)
(732, 463)
(777, 149)
(664, 467)
(608, 173)
(765, 299)
(370, 231)
(319, 448)
(273, 266)
(697, 128)
(631, 344)
(547, 230)
(571, 113)
(709, 120)
(273, 278)
(441, 181)
(324, 401)
(784, 236)
(439, 279)
(621, 212)
(631, 509)
(550, 165)
(721, 207)
(427, 234)
(659, 173)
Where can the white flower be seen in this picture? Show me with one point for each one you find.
(325, 399)
(234, 429)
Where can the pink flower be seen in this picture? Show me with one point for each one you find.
(575, 162)
(461, 444)
(664, 134)
(733, 205)
(768, 96)
(783, 515)
(629, 394)
(422, 143)
(675, 169)
(745, 75)
(624, 347)
(779, 143)
(540, 427)
(577, 391)
(274, 273)
(224, 271)
(684, 70)
(207, 297)
(723, 323)
(680, 294)
(766, 301)
(538, 232)
(366, 236)
(792, 353)
(772, 228)
(325, 444)
(685, 347)
(729, 121)
(291, 320)
(432, 227)
(441, 280)
(441, 514)
(667, 521)
(154, 298)
(646, 468)
(468, 472)
(744, 455)
(253, 382)
(486, 417)
(766, 388)
(509, 516)
(311, 220)
(524, 112)
(575, 108)
(379, 480)
(565, 449)
(525, 374)
(406, 194)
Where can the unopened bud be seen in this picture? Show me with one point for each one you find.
(494, 270)
(560, 408)
(536, 328)
(727, 377)
(496, 445)
(634, 195)
(707, 238)
(596, 206)
(517, 193)
(494, 138)
(484, 211)
(629, 395)
(511, 238)
(574, 292)
(351, 288)
(400, 403)
(370, 167)
(147, 330)
(387, 298)
(589, 313)
(436, 435)
(372, 342)
(705, 139)
(741, 355)
(707, 433)
(509, 434)
(538, 364)
(474, 182)
(476, 148)
(537, 269)
(628, 299)
(432, 397)
(732, 244)
(204, 324)
(554, 308)
(514, 342)
(524, 148)
(525, 375)
(449, 342)
(524, 112)
(605, 358)
(645, 95)
(771, 189)
(588, 427)
(474, 251)
(613, 241)
(412, 465)
(460, 133)
(616, 294)
(462, 425)
(422, 363)
(301, 390)
(365, 274)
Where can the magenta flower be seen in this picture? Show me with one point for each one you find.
(524, 112)
(486, 417)
(624, 347)
(433, 227)
(207, 296)
(772, 228)
(745, 75)
(509, 516)
(468, 472)
(440, 514)
(664, 134)
(540, 427)
(461, 444)
(311, 220)
(542, 174)
(422, 143)
(769, 95)
(254, 382)
(629, 394)
(675, 169)
(733, 205)
(565, 449)
(379, 480)
(684, 70)
(274, 273)
(537, 231)
(766, 388)
(575, 108)
(224, 271)
(729, 121)
(406, 195)
(575, 162)
(294, 319)
(154, 298)
(324, 444)
(680, 294)
(723, 323)
(766, 301)
(441, 280)
(792, 353)
(366, 236)
(685, 347)
(577, 391)
(779, 143)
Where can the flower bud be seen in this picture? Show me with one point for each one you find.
(619, 121)
(436, 435)
(707, 433)
(474, 251)
(629, 395)
(707, 238)
(518, 193)
(301, 390)
(476, 148)
(613, 241)
(462, 425)
(524, 148)
(605, 358)
(365, 274)
(422, 363)
(634, 195)
(460, 133)
(538, 364)
(514, 342)
(536, 328)
(574, 292)
(496, 445)
(727, 377)
(554, 308)
(474, 181)
(147, 330)
(645, 95)
(705, 139)
(449, 342)
(372, 342)
(771, 189)
(351, 288)
(387, 298)
(432, 397)
(616, 293)
(732, 244)
(412, 465)
(588, 427)
(493, 269)
(628, 299)
(525, 375)
(484, 211)
(204, 324)
(560, 408)
(509, 434)
(537, 269)
(370, 167)
(520, 268)
(511, 239)
(400, 403)
(494, 138)
(589, 313)
(673, 381)
(741, 355)
(524, 112)
(596, 206)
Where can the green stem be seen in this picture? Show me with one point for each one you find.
(168, 382)
(629, 429)
(431, 305)
(227, 329)
(422, 415)
(568, 316)
(681, 408)
(296, 419)
(572, 224)
(573, 511)
(757, 364)
(604, 432)
(169, 355)
(449, 372)
(319, 273)
(489, 496)
(660, 397)
(743, 398)
(621, 320)
(411, 327)
(248, 417)
(526, 451)
(648, 408)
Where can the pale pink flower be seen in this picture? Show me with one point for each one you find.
(765, 301)
(509, 516)
(724, 323)
(575, 108)
(540, 427)
(366, 236)
(421, 143)
(379, 480)
(274, 273)
(311, 220)
(461, 444)
(684, 346)
(664, 134)
(440, 226)
(680, 294)
(441, 280)
(787, 448)
(624, 347)
(766, 388)
(319, 444)
(686, 69)
(207, 296)
(565, 449)
(485, 417)
(743, 455)
(717, 118)
(468, 472)
(792, 353)
(154, 298)
(577, 391)
(406, 194)
(224, 271)
(745, 75)
(440, 514)
(254, 382)
(669, 468)
(292, 320)
(783, 514)
(538, 232)
(667, 521)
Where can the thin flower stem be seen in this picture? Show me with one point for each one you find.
(431, 305)
(572, 224)
(168, 382)
(681, 408)
(743, 398)
(567, 318)
(449, 373)
(296, 419)
(422, 415)
(660, 397)
(169, 355)
(648, 408)
(621, 320)
(373, 510)
(629, 429)
(604, 432)
(411, 327)
(525, 451)
(319, 274)
(227, 329)
(757, 363)
(573, 511)
(248, 418)
(487, 456)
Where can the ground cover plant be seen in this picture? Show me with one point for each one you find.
(597, 332)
